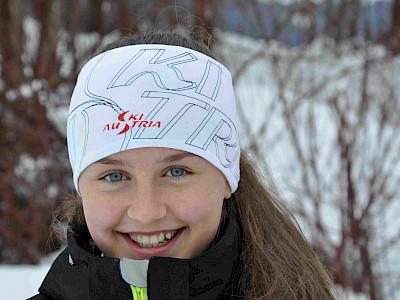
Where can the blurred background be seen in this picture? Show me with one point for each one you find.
(318, 92)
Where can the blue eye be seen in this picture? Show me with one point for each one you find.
(176, 172)
(115, 177)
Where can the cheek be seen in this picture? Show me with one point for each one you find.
(196, 210)
(202, 214)
(99, 213)
(91, 211)
(201, 205)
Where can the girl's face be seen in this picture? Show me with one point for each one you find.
(153, 202)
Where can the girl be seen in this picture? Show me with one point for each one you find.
(160, 211)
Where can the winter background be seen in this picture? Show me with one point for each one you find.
(318, 92)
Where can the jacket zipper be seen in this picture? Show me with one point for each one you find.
(139, 293)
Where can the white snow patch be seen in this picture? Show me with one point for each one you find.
(21, 281)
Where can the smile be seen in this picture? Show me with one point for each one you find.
(153, 241)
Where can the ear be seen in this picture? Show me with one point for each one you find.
(228, 193)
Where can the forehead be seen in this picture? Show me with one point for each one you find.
(149, 154)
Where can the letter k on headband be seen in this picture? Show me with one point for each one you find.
(154, 96)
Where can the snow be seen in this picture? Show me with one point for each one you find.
(21, 281)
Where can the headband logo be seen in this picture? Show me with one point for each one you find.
(133, 121)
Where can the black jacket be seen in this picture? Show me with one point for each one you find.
(218, 273)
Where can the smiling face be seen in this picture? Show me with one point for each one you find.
(153, 202)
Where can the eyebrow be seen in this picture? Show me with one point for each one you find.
(176, 157)
(167, 159)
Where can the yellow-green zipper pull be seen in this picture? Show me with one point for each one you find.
(139, 293)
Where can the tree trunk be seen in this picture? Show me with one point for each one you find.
(11, 42)
(396, 26)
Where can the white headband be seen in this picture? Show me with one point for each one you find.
(154, 96)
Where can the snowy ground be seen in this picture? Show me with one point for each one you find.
(21, 281)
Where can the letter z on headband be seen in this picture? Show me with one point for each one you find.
(154, 96)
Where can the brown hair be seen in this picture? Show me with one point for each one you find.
(280, 262)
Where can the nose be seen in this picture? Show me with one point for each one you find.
(146, 204)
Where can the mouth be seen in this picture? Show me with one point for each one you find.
(153, 240)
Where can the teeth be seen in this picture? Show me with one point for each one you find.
(161, 237)
(153, 240)
(145, 240)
